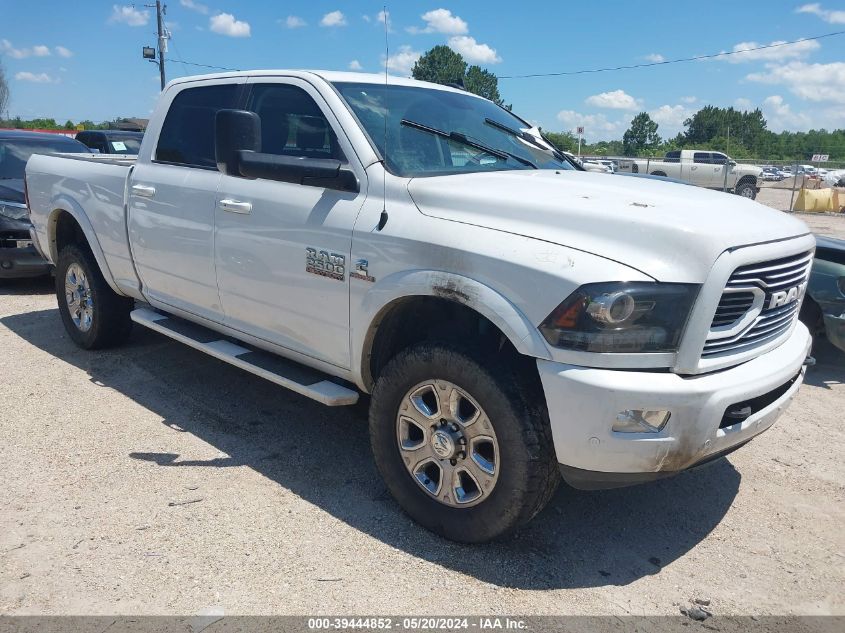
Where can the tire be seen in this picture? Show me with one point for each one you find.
(746, 190)
(102, 318)
(659, 173)
(525, 467)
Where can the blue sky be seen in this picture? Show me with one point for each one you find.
(83, 60)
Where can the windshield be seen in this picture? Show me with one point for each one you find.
(124, 145)
(434, 132)
(15, 153)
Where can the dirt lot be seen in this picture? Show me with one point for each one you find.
(153, 479)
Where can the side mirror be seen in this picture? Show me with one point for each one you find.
(234, 131)
(329, 173)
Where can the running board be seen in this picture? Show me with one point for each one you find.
(305, 381)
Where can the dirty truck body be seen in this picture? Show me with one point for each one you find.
(510, 317)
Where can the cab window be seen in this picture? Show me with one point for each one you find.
(187, 135)
(292, 123)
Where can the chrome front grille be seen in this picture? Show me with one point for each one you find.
(760, 304)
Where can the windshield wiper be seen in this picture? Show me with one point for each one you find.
(521, 134)
(464, 140)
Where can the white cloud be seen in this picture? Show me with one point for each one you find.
(194, 6)
(597, 127)
(441, 21)
(355, 65)
(39, 50)
(226, 24)
(833, 17)
(335, 18)
(61, 51)
(294, 22)
(472, 51)
(615, 100)
(655, 58)
(743, 104)
(39, 78)
(689, 99)
(402, 63)
(780, 116)
(779, 53)
(127, 14)
(670, 119)
(813, 82)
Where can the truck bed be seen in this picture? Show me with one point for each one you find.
(93, 189)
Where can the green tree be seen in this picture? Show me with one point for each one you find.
(564, 141)
(641, 136)
(440, 65)
(484, 83)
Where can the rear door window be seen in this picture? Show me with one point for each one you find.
(701, 158)
(187, 136)
(673, 157)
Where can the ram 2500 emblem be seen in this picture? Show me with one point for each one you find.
(325, 264)
(782, 297)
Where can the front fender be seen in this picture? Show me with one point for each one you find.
(63, 203)
(434, 283)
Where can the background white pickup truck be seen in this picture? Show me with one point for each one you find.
(713, 170)
(511, 316)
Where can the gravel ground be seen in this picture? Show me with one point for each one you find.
(152, 479)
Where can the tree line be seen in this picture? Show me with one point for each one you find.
(738, 133)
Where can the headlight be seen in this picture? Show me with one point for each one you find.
(621, 317)
(14, 212)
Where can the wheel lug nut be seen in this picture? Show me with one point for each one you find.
(454, 426)
(453, 461)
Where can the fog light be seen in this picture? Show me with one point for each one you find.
(641, 421)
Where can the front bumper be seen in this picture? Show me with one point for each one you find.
(583, 404)
(22, 262)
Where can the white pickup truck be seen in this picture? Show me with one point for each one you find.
(712, 170)
(510, 317)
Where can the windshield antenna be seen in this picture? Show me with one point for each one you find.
(383, 219)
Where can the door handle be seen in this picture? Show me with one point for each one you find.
(143, 191)
(235, 206)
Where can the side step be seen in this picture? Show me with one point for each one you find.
(286, 373)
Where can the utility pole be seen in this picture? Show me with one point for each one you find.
(162, 38)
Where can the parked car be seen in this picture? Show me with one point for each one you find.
(513, 318)
(703, 169)
(824, 306)
(771, 174)
(18, 257)
(111, 141)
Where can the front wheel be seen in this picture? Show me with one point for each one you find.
(462, 441)
(746, 190)
(94, 315)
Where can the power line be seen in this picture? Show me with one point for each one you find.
(181, 61)
(671, 61)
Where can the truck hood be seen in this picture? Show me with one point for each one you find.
(671, 232)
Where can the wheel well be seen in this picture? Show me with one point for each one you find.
(747, 180)
(658, 173)
(412, 320)
(67, 232)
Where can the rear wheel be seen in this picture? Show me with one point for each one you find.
(94, 315)
(462, 442)
(746, 190)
